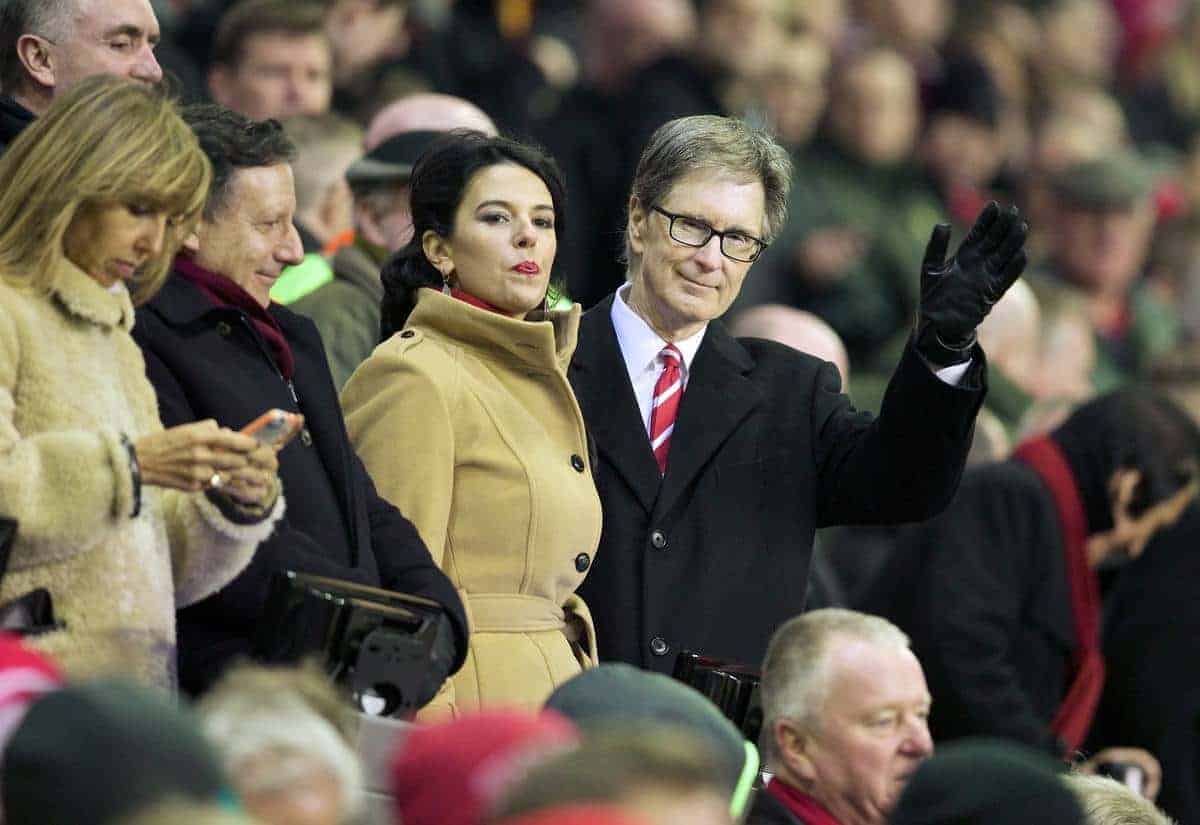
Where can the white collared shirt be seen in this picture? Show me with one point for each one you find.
(640, 346)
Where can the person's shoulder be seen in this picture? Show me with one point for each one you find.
(772, 358)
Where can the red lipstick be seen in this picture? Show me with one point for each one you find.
(528, 268)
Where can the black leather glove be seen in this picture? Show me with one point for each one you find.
(441, 659)
(956, 295)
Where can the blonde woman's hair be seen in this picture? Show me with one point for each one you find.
(1107, 802)
(106, 141)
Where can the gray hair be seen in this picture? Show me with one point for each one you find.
(795, 674)
(48, 18)
(711, 142)
(1107, 802)
(246, 718)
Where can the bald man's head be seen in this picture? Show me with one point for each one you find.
(797, 329)
(426, 112)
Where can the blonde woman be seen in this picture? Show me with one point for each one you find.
(120, 520)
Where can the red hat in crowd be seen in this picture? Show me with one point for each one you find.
(576, 815)
(25, 675)
(452, 773)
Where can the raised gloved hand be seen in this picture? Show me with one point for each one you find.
(956, 295)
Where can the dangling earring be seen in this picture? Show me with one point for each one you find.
(445, 284)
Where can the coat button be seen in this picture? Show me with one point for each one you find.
(577, 463)
(659, 646)
(582, 562)
(306, 437)
(658, 541)
(408, 333)
(223, 329)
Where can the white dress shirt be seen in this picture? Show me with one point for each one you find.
(640, 346)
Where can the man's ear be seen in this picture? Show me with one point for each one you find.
(439, 252)
(220, 83)
(637, 226)
(795, 750)
(34, 54)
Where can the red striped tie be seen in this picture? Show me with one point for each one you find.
(667, 392)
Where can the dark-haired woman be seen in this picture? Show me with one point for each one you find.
(468, 425)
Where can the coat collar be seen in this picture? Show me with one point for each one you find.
(80, 295)
(718, 397)
(534, 342)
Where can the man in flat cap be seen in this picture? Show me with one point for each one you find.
(1105, 224)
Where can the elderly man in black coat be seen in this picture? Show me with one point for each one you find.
(216, 347)
(1001, 594)
(718, 457)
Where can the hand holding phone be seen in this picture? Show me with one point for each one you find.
(274, 428)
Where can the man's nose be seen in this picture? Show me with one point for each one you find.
(291, 251)
(709, 256)
(919, 742)
(147, 69)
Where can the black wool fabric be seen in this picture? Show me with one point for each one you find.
(13, 119)
(987, 782)
(97, 752)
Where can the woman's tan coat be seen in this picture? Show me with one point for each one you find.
(72, 381)
(467, 424)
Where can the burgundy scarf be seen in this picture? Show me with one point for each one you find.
(1075, 714)
(468, 298)
(226, 294)
(800, 804)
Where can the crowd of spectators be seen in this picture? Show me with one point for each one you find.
(210, 209)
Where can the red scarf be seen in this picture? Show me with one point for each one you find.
(800, 804)
(226, 294)
(468, 298)
(1075, 714)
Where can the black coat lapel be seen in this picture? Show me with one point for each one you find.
(605, 395)
(718, 397)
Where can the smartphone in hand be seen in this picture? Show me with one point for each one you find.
(274, 428)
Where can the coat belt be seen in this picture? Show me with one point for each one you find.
(512, 612)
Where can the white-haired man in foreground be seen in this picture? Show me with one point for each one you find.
(845, 710)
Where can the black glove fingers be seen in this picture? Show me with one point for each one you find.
(1008, 276)
(935, 250)
(999, 231)
(1011, 244)
(982, 224)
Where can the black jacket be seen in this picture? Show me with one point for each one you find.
(714, 556)
(209, 362)
(1152, 682)
(767, 810)
(13, 119)
(982, 591)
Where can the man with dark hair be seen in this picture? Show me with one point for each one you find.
(216, 347)
(47, 46)
(272, 59)
(1001, 595)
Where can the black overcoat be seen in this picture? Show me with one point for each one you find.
(982, 592)
(1152, 682)
(714, 556)
(210, 362)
